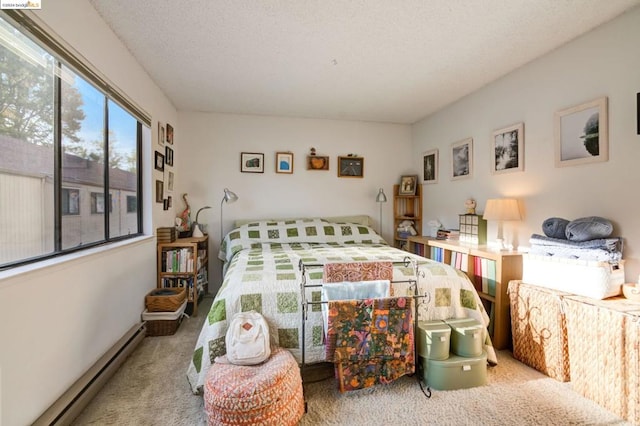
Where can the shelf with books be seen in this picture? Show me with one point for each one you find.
(184, 263)
(489, 271)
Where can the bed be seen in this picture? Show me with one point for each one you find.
(262, 273)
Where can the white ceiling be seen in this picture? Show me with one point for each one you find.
(373, 60)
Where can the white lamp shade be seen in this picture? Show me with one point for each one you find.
(502, 209)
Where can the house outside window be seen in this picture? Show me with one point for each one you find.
(67, 138)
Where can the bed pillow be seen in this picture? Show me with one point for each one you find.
(588, 228)
(555, 227)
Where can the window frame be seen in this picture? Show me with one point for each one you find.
(64, 56)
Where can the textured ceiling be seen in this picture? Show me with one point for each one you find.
(374, 60)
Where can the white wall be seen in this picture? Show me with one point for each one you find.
(58, 317)
(604, 62)
(209, 161)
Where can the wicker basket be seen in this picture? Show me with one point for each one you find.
(163, 323)
(165, 299)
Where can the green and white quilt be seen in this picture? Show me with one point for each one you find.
(262, 273)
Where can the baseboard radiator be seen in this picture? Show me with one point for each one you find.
(76, 398)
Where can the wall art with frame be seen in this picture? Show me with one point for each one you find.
(581, 134)
(251, 162)
(159, 191)
(507, 149)
(169, 134)
(284, 162)
(430, 166)
(462, 159)
(350, 166)
(159, 162)
(160, 134)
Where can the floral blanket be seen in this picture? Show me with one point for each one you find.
(262, 273)
(371, 341)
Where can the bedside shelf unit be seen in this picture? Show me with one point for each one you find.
(184, 263)
(476, 261)
(406, 207)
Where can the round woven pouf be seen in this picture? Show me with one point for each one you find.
(266, 394)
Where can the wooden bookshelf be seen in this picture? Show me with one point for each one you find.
(184, 263)
(508, 266)
(406, 207)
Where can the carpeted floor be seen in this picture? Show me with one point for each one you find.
(151, 389)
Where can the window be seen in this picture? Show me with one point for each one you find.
(68, 141)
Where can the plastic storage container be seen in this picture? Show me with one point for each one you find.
(467, 336)
(433, 339)
(456, 372)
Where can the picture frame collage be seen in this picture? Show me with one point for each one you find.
(164, 163)
(580, 137)
(349, 166)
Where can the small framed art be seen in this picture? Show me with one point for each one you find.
(168, 156)
(159, 162)
(350, 167)
(160, 134)
(507, 149)
(169, 134)
(462, 159)
(317, 162)
(159, 191)
(430, 166)
(408, 185)
(581, 134)
(251, 162)
(284, 162)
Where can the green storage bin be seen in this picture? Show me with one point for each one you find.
(456, 372)
(467, 336)
(433, 339)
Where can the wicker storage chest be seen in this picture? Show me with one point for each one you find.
(163, 323)
(604, 338)
(539, 329)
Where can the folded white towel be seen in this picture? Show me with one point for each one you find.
(350, 290)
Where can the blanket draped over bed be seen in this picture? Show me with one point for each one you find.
(262, 273)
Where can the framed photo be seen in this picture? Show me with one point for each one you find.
(251, 162)
(160, 134)
(462, 159)
(408, 185)
(159, 191)
(169, 134)
(507, 149)
(581, 134)
(638, 111)
(169, 177)
(317, 162)
(430, 166)
(350, 167)
(168, 156)
(165, 203)
(284, 162)
(159, 162)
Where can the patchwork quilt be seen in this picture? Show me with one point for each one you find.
(262, 273)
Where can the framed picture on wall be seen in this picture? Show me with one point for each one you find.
(159, 162)
(169, 134)
(430, 166)
(284, 162)
(462, 159)
(507, 149)
(251, 162)
(159, 191)
(168, 156)
(350, 167)
(581, 134)
(160, 134)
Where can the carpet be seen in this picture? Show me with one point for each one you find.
(151, 389)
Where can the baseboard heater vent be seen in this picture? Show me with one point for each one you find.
(76, 398)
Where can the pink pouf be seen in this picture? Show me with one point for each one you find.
(266, 394)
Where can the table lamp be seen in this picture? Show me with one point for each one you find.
(501, 209)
